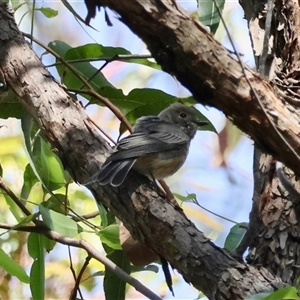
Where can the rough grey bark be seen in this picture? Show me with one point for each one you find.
(276, 245)
(147, 215)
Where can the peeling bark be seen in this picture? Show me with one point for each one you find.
(276, 245)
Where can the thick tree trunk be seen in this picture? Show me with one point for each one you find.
(186, 50)
(276, 202)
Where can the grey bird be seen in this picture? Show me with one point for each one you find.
(157, 147)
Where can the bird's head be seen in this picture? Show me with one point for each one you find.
(183, 116)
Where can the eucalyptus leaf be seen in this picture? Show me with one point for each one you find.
(48, 12)
(110, 236)
(51, 170)
(12, 267)
(235, 236)
(37, 272)
(114, 287)
(208, 13)
(10, 106)
(59, 223)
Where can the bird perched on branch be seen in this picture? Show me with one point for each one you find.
(157, 147)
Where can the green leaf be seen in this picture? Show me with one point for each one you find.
(27, 128)
(208, 13)
(51, 170)
(95, 51)
(110, 236)
(14, 208)
(13, 268)
(259, 296)
(48, 12)
(37, 272)
(114, 287)
(235, 236)
(30, 180)
(143, 102)
(151, 268)
(286, 293)
(10, 106)
(85, 69)
(33, 152)
(144, 62)
(59, 223)
(103, 214)
(26, 220)
(153, 101)
(48, 244)
(73, 12)
(16, 4)
(188, 198)
(58, 203)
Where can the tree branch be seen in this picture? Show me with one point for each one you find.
(91, 251)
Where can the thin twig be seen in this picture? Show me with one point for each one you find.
(215, 214)
(11, 194)
(32, 19)
(73, 273)
(118, 57)
(103, 132)
(98, 71)
(85, 217)
(78, 280)
(23, 228)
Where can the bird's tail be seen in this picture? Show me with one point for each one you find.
(113, 173)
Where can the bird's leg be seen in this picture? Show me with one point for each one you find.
(165, 192)
(158, 189)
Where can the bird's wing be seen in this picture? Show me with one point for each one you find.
(114, 172)
(152, 136)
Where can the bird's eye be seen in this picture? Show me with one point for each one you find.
(182, 115)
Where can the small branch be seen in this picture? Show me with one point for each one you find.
(92, 253)
(102, 131)
(213, 213)
(74, 276)
(118, 57)
(19, 203)
(23, 228)
(85, 217)
(11, 194)
(77, 283)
